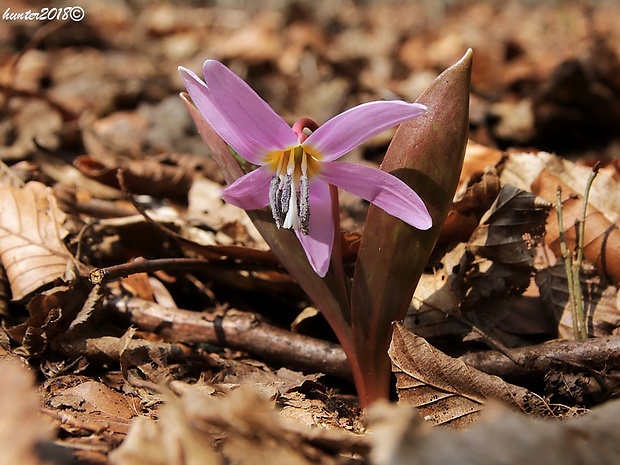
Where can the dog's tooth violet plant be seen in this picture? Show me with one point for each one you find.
(295, 169)
(292, 197)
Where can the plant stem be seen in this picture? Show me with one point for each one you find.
(568, 265)
(574, 261)
(579, 260)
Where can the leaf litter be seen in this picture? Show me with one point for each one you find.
(198, 364)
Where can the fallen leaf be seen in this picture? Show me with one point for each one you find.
(521, 170)
(31, 233)
(475, 284)
(601, 235)
(174, 439)
(478, 157)
(247, 429)
(471, 202)
(501, 437)
(22, 429)
(446, 391)
(438, 296)
(94, 403)
(600, 302)
(511, 229)
(51, 314)
(143, 176)
(31, 121)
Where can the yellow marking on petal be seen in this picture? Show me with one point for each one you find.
(295, 161)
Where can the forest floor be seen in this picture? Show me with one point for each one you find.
(225, 359)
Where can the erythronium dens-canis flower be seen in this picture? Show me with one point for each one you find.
(296, 169)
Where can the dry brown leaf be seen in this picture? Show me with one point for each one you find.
(206, 205)
(601, 237)
(31, 120)
(601, 302)
(476, 282)
(31, 233)
(143, 176)
(51, 314)
(95, 404)
(522, 169)
(121, 133)
(22, 428)
(477, 158)
(173, 440)
(445, 390)
(258, 41)
(471, 202)
(439, 295)
(267, 382)
(501, 437)
(511, 229)
(246, 427)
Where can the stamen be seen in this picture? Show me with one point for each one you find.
(304, 204)
(289, 191)
(285, 194)
(275, 200)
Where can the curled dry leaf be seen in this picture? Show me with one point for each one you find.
(51, 314)
(510, 230)
(475, 282)
(602, 237)
(30, 121)
(471, 202)
(501, 437)
(477, 159)
(31, 233)
(600, 302)
(448, 392)
(522, 169)
(438, 296)
(145, 176)
(95, 405)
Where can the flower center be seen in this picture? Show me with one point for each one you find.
(289, 191)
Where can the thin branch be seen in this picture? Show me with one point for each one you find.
(142, 265)
(237, 330)
(595, 354)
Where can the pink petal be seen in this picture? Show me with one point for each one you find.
(319, 241)
(383, 189)
(251, 114)
(251, 191)
(355, 126)
(228, 129)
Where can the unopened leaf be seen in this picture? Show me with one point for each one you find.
(31, 232)
(445, 390)
(427, 154)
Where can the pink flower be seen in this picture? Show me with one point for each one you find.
(295, 169)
